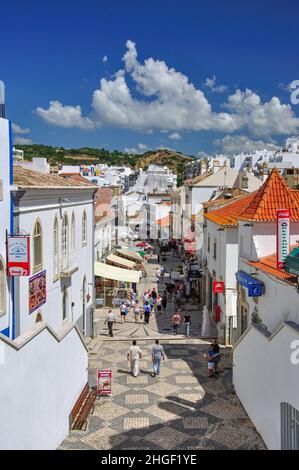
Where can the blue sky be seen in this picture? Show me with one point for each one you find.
(197, 76)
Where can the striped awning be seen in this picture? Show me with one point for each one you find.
(121, 261)
(130, 254)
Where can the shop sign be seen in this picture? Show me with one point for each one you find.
(282, 237)
(18, 255)
(218, 287)
(254, 286)
(104, 382)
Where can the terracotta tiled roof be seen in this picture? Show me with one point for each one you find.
(25, 178)
(268, 265)
(229, 214)
(274, 194)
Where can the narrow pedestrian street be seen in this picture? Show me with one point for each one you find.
(182, 409)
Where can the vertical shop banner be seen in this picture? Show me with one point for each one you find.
(104, 382)
(282, 237)
(18, 255)
(37, 291)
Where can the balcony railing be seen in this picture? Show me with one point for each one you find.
(68, 264)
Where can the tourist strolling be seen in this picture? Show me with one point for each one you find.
(147, 311)
(133, 355)
(157, 356)
(216, 349)
(176, 322)
(136, 311)
(123, 311)
(187, 323)
(159, 305)
(164, 300)
(110, 321)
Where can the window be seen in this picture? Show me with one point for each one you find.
(64, 304)
(73, 235)
(84, 229)
(215, 249)
(65, 238)
(2, 288)
(209, 242)
(55, 247)
(37, 247)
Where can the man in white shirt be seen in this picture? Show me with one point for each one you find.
(110, 320)
(133, 355)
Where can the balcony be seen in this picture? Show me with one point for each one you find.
(68, 264)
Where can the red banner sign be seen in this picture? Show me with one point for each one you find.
(18, 255)
(104, 382)
(282, 236)
(218, 287)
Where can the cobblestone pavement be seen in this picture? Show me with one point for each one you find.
(182, 409)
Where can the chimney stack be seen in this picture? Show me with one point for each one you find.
(2, 100)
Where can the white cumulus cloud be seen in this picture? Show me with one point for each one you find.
(22, 141)
(233, 144)
(19, 130)
(211, 84)
(175, 136)
(65, 116)
(142, 146)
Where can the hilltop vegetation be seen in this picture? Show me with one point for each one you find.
(176, 161)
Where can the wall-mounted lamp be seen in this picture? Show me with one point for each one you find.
(248, 225)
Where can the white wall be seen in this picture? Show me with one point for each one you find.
(263, 377)
(40, 384)
(44, 205)
(5, 147)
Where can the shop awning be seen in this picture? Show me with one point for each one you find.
(121, 261)
(117, 274)
(129, 254)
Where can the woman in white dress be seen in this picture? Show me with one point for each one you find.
(206, 323)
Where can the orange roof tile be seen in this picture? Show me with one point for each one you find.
(268, 265)
(274, 194)
(228, 215)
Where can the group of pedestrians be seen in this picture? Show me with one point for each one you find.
(134, 354)
(177, 321)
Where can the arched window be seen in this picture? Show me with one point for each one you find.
(55, 248)
(64, 239)
(2, 288)
(37, 247)
(84, 229)
(73, 233)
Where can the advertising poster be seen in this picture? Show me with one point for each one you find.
(37, 291)
(18, 255)
(104, 382)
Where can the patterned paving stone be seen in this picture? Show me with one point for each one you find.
(166, 437)
(104, 439)
(162, 389)
(117, 389)
(136, 423)
(222, 409)
(191, 422)
(181, 365)
(231, 437)
(191, 397)
(109, 410)
(140, 380)
(161, 413)
(186, 379)
(136, 399)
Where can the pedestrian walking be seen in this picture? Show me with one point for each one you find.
(187, 323)
(147, 311)
(157, 356)
(159, 305)
(136, 311)
(210, 356)
(176, 322)
(215, 347)
(110, 321)
(133, 355)
(123, 312)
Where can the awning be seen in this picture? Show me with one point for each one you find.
(121, 261)
(255, 287)
(117, 274)
(129, 254)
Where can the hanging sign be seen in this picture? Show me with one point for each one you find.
(37, 291)
(218, 287)
(18, 255)
(282, 236)
(104, 382)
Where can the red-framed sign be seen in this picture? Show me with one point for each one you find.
(218, 287)
(104, 382)
(282, 236)
(18, 255)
